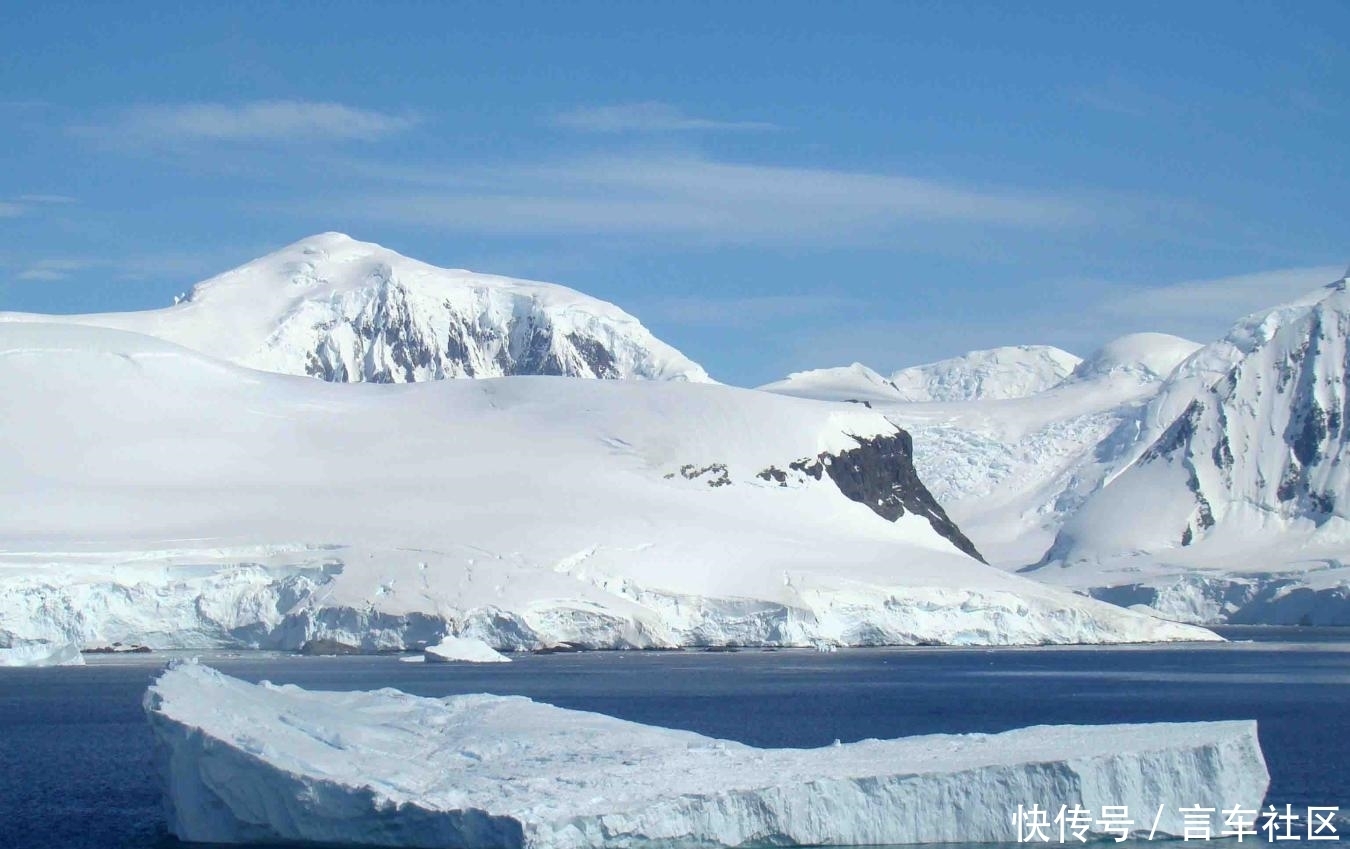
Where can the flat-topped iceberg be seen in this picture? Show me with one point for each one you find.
(263, 763)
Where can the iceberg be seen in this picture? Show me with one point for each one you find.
(254, 763)
(42, 654)
(465, 649)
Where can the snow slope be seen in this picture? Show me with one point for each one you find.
(155, 496)
(1239, 508)
(261, 763)
(1011, 469)
(342, 310)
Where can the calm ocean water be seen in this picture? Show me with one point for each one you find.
(75, 755)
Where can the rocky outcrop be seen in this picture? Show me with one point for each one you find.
(880, 474)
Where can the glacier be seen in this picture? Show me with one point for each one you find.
(247, 509)
(253, 763)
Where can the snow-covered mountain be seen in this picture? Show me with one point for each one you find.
(155, 495)
(1010, 467)
(998, 373)
(348, 311)
(1240, 507)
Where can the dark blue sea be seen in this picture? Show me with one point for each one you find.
(75, 755)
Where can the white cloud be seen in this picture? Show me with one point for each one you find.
(701, 199)
(648, 117)
(10, 210)
(263, 120)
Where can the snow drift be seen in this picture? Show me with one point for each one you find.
(348, 311)
(249, 763)
(159, 497)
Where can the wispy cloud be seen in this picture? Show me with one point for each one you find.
(23, 204)
(647, 117)
(53, 269)
(46, 199)
(702, 199)
(256, 121)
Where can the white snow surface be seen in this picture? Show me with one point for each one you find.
(333, 307)
(466, 649)
(155, 496)
(42, 654)
(1238, 509)
(261, 763)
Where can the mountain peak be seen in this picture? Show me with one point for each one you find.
(1013, 371)
(1152, 356)
(333, 307)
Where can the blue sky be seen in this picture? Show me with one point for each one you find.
(769, 187)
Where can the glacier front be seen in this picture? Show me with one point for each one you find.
(251, 763)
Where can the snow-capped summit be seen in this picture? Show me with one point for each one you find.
(332, 307)
(844, 383)
(998, 373)
(1151, 356)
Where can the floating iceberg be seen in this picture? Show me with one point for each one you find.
(263, 763)
(465, 649)
(42, 654)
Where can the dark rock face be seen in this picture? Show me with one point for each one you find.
(880, 473)
(389, 342)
